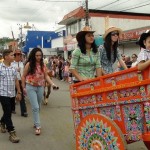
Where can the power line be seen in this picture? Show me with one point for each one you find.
(107, 4)
(119, 4)
(136, 7)
(58, 1)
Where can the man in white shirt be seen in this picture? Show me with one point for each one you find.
(19, 66)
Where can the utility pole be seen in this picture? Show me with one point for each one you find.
(21, 35)
(86, 13)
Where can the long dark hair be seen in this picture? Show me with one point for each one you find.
(108, 44)
(82, 47)
(32, 60)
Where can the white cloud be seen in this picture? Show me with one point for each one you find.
(45, 14)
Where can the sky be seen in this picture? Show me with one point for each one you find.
(44, 15)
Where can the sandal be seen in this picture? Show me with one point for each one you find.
(37, 131)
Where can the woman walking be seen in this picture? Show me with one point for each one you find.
(33, 81)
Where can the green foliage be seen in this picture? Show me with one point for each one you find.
(3, 41)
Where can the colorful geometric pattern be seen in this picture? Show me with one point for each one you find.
(147, 114)
(133, 118)
(86, 112)
(109, 112)
(98, 131)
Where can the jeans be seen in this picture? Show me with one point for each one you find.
(35, 95)
(23, 107)
(7, 109)
(13, 104)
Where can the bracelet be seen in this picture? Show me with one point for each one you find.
(19, 93)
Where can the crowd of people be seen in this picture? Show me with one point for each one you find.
(19, 79)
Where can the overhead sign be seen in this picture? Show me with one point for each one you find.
(133, 34)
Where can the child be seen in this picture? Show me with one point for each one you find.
(8, 79)
(144, 56)
(66, 71)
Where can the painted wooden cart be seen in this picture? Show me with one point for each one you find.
(112, 110)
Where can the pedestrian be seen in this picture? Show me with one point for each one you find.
(134, 60)
(85, 59)
(66, 71)
(33, 81)
(8, 82)
(144, 56)
(128, 62)
(1, 58)
(60, 67)
(19, 66)
(109, 51)
(119, 67)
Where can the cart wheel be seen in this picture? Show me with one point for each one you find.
(98, 132)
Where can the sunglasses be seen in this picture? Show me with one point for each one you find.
(114, 33)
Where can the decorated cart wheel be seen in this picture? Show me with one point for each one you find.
(98, 132)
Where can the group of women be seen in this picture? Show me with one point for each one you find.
(88, 59)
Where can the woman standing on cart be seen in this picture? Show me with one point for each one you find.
(85, 59)
(109, 52)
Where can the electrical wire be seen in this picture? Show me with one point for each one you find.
(119, 4)
(107, 4)
(58, 1)
(135, 7)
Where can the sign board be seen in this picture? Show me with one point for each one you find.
(133, 34)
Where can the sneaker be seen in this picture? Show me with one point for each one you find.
(37, 131)
(3, 128)
(13, 137)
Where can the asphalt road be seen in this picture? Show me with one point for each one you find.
(57, 125)
(56, 121)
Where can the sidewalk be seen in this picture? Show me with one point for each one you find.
(56, 121)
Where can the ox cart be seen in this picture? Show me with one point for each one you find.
(111, 111)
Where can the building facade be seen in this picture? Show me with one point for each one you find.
(49, 41)
(100, 21)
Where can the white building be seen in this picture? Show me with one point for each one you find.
(100, 21)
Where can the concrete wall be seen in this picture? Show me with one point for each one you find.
(129, 49)
(99, 23)
(57, 42)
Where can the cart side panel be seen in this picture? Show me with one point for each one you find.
(124, 97)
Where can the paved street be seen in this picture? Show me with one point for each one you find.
(57, 125)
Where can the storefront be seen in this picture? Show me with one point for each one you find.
(128, 41)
